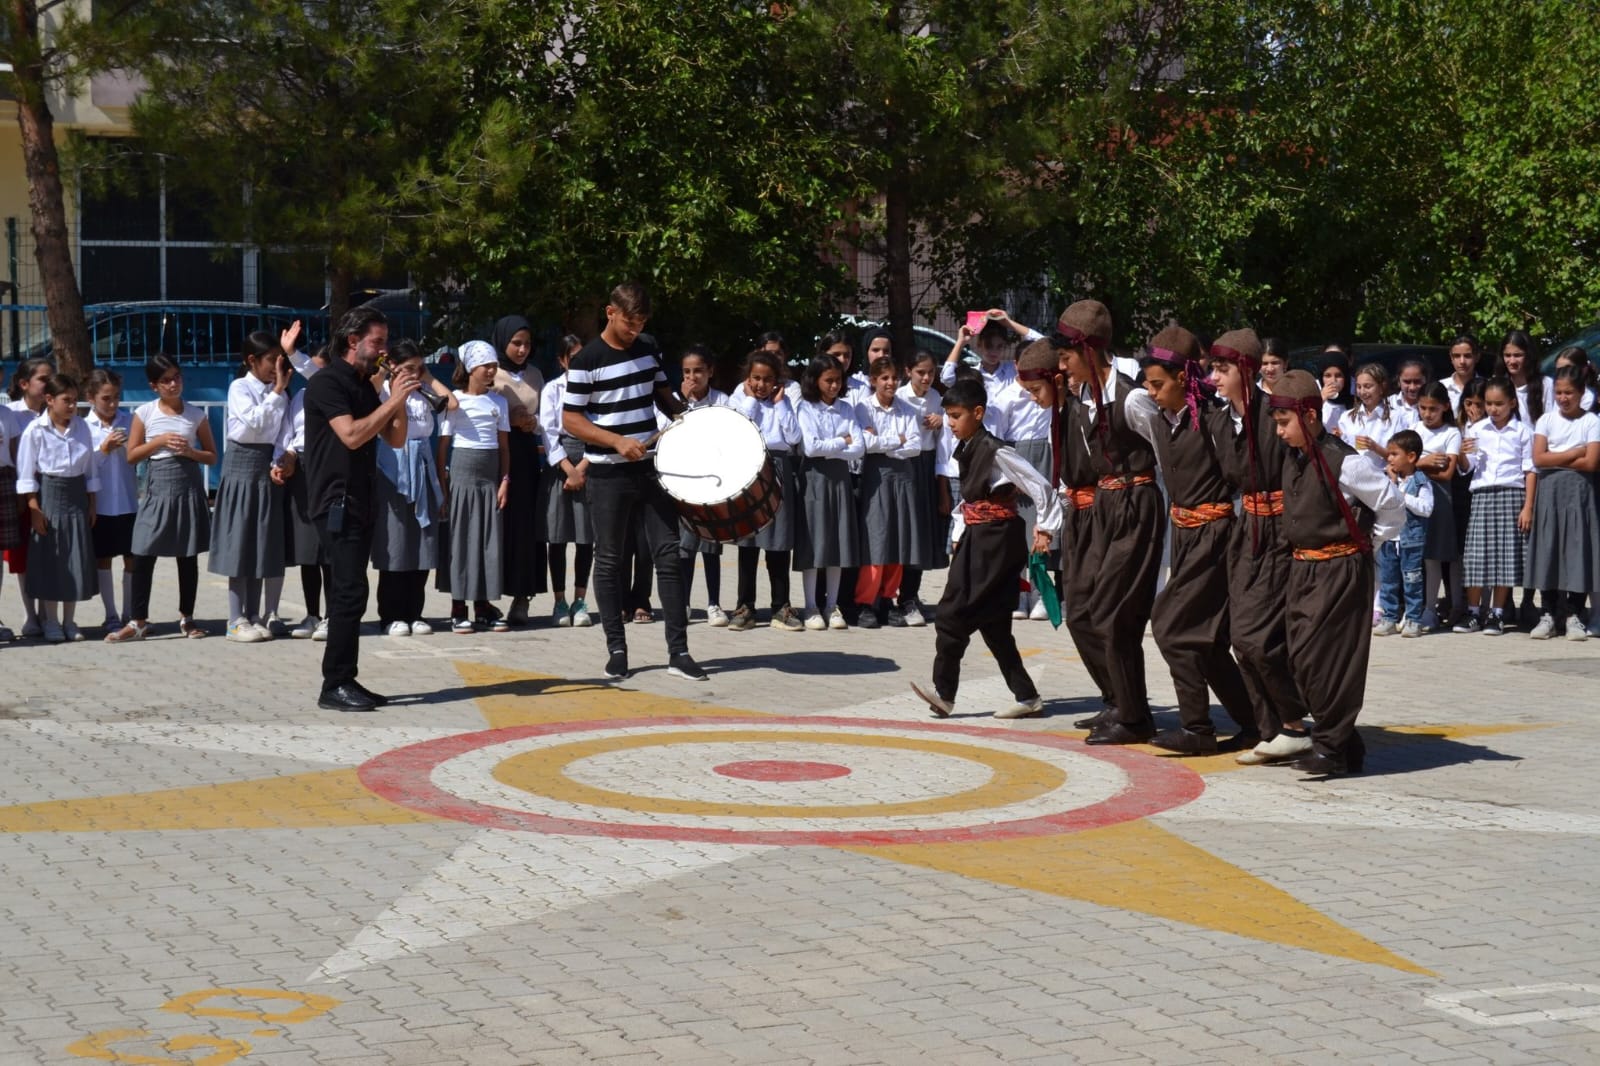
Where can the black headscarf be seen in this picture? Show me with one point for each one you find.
(500, 337)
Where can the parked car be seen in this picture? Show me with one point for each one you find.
(201, 333)
(926, 337)
(1587, 339)
(1388, 356)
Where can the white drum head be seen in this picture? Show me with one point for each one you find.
(709, 455)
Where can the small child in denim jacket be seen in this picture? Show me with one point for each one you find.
(1400, 560)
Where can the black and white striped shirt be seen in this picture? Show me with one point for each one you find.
(615, 390)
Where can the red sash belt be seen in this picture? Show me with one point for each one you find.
(1082, 498)
(983, 511)
(1206, 513)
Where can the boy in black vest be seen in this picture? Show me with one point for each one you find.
(981, 587)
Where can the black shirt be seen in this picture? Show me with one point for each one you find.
(334, 471)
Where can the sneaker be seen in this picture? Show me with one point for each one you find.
(562, 615)
(1021, 613)
(53, 633)
(912, 609)
(617, 666)
(786, 619)
(1385, 628)
(419, 628)
(815, 622)
(462, 625)
(240, 631)
(518, 615)
(580, 615)
(897, 617)
(1576, 630)
(263, 629)
(1411, 629)
(1026, 709)
(868, 619)
(836, 620)
(308, 625)
(321, 632)
(71, 632)
(32, 630)
(399, 629)
(743, 618)
(1039, 613)
(682, 665)
(129, 631)
(1495, 625)
(1469, 624)
(494, 623)
(1544, 630)
(1281, 747)
(716, 617)
(276, 627)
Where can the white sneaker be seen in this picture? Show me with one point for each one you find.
(914, 615)
(836, 620)
(1038, 613)
(399, 629)
(308, 625)
(561, 614)
(419, 628)
(321, 632)
(1281, 747)
(1385, 628)
(240, 631)
(1022, 607)
(716, 617)
(1544, 630)
(1576, 629)
(262, 628)
(1410, 629)
(580, 615)
(1029, 709)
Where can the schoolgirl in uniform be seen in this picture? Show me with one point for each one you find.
(761, 399)
(409, 501)
(12, 529)
(918, 392)
(473, 445)
(696, 391)
(830, 438)
(302, 547)
(566, 508)
(1370, 422)
(117, 501)
(1410, 380)
(174, 519)
(1564, 551)
(893, 534)
(248, 517)
(56, 478)
(1441, 552)
(1465, 354)
(1500, 449)
(1274, 361)
(519, 382)
(1576, 357)
(1519, 364)
(27, 404)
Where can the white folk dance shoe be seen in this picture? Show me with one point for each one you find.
(1281, 747)
(307, 626)
(938, 706)
(1544, 630)
(1032, 708)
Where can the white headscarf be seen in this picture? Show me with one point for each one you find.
(474, 354)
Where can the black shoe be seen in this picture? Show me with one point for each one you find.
(683, 665)
(897, 618)
(1239, 742)
(1321, 765)
(1100, 717)
(1117, 733)
(346, 697)
(1494, 625)
(1184, 742)
(868, 619)
(617, 666)
(381, 701)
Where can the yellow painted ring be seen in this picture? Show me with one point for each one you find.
(542, 772)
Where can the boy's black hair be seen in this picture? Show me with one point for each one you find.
(1407, 440)
(966, 393)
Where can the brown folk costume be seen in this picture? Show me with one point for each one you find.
(1190, 617)
(1126, 529)
(1251, 457)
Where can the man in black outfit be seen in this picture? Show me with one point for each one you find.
(614, 386)
(344, 420)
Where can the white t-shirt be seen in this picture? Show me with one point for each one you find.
(158, 422)
(1446, 440)
(478, 422)
(1563, 434)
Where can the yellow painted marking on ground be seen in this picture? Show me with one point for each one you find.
(99, 1047)
(1137, 866)
(515, 697)
(1457, 732)
(310, 1005)
(1016, 779)
(324, 798)
(1028, 653)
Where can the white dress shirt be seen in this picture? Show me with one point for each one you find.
(924, 405)
(775, 418)
(1010, 468)
(823, 428)
(119, 485)
(1379, 424)
(46, 450)
(1108, 396)
(158, 422)
(551, 400)
(894, 428)
(1503, 454)
(255, 411)
(712, 398)
(1408, 411)
(1367, 484)
(477, 421)
(1454, 390)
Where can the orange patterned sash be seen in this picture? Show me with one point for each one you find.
(1082, 498)
(1205, 514)
(1114, 482)
(982, 511)
(1336, 550)
(1263, 504)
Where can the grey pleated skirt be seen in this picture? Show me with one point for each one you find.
(828, 533)
(894, 529)
(248, 517)
(475, 551)
(1564, 547)
(779, 534)
(1444, 542)
(61, 563)
(566, 514)
(399, 541)
(301, 545)
(174, 521)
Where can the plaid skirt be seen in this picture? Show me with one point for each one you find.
(10, 510)
(1496, 552)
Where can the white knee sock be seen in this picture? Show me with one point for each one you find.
(108, 591)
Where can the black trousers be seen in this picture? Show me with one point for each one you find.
(1329, 627)
(978, 596)
(347, 553)
(144, 572)
(627, 503)
(1190, 624)
(777, 577)
(401, 595)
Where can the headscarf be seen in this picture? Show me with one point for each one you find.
(500, 337)
(474, 354)
(1177, 349)
(1301, 393)
(863, 361)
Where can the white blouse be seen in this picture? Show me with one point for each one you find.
(1562, 434)
(119, 487)
(1503, 455)
(158, 422)
(255, 411)
(924, 405)
(824, 427)
(1379, 424)
(46, 450)
(775, 418)
(552, 400)
(712, 398)
(478, 422)
(894, 428)
(1022, 417)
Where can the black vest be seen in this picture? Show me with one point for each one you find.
(1189, 463)
(1312, 517)
(1233, 446)
(1116, 448)
(975, 460)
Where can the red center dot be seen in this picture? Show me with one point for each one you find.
(781, 770)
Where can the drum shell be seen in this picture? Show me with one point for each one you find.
(744, 514)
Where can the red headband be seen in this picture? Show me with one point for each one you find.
(1194, 387)
(1036, 373)
(1232, 355)
(1074, 337)
(1302, 406)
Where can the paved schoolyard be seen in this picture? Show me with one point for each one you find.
(790, 863)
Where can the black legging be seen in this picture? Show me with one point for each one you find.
(312, 580)
(910, 585)
(777, 577)
(401, 595)
(713, 575)
(144, 570)
(582, 560)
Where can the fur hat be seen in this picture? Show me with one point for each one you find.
(1238, 346)
(1086, 322)
(1038, 362)
(1175, 345)
(1297, 386)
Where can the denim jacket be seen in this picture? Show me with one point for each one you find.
(1415, 532)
